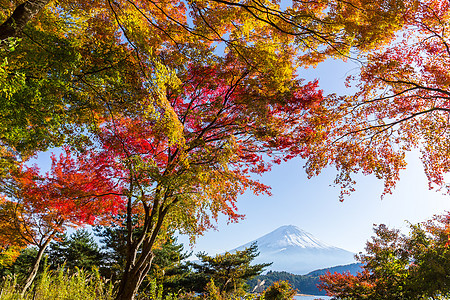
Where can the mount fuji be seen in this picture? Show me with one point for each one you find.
(296, 251)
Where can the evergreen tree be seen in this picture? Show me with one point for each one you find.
(228, 271)
(168, 265)
(78, 250)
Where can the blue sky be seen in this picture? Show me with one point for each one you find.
(313, 205)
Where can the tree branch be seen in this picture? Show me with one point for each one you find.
(23, 13)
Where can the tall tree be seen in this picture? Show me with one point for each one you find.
(114, 247)
(169, 265)
(54, 82)
(191, 156)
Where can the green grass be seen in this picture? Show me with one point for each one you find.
(60, 285)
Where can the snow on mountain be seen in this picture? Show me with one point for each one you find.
(294, 250)
(290, 236)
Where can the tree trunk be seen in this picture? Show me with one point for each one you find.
(132, 279)
(35, 268)
(137, 269)
(23, 13)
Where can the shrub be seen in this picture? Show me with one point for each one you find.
(280, 290)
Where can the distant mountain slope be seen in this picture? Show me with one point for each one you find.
(352, 268)
(305, 284)
(294, 250)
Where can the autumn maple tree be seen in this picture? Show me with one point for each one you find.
(36, 207)
(185, 160)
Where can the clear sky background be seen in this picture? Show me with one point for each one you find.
(313, 205)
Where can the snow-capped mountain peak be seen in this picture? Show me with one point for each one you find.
(290, 236)
(294, 250)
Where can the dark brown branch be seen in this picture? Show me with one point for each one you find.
(23, 13)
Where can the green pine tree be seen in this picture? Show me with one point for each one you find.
(77, 250)
(229, 271)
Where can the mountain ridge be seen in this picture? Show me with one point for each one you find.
(306, 284)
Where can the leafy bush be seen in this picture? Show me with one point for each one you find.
(280, 290)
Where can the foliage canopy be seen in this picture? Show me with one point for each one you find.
(166, 108)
